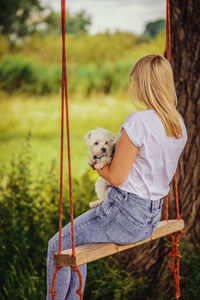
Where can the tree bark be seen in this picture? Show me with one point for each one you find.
(152, 258)
(185, 24)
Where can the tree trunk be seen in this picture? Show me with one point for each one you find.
(185, 24)
(152, 258)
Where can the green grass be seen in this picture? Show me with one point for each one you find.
(41, 117)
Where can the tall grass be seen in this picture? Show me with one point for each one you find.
(41, 117)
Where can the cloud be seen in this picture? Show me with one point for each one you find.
(128, 15)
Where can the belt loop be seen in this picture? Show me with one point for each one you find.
(125, 196)
(151, 207)
(160, 204)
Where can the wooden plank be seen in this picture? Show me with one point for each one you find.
(90, 252)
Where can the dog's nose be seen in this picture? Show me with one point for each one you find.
(103, 149)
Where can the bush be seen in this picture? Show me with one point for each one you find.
(25, 75)
(24, 219)
(28, 218)
(5, 47)
(95, 64)
(190, 272)
(16, 73)
(19, 74)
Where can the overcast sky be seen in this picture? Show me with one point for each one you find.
(128, 15)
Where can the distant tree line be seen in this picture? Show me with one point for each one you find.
(22, 18)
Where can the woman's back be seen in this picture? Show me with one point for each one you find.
(158, 155)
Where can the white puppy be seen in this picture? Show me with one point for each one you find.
(101, 144)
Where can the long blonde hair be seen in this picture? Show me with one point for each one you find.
(153, 83)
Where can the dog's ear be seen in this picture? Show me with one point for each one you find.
(88, 136)
(110, 135)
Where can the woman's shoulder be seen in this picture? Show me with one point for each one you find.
(141, 115)
(148, 121)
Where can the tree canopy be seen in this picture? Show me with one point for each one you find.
(75, 24)
(17, 17)
(22, 18)
(154, 28)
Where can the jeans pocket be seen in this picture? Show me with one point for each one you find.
(124, 228)
(130, 218)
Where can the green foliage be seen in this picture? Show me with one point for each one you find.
(75, 24)
(24, 217)
(106, 279)
(18, 74)
(21, 74)
(42, 116)
(154, 28)
(24, 283)
(95, 64)
(5, 47)
(190, 272)
(84, 49)
(17, 17)
(107, 78)
(22, 18)
(29, 217)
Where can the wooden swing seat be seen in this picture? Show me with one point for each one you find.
(90, 252)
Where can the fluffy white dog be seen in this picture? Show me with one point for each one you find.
(101, 144)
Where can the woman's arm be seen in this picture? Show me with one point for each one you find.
(124, 157)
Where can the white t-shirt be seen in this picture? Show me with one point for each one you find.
(157, 159)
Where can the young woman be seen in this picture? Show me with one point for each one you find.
(148, 148)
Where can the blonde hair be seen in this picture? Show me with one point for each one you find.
(153, 83)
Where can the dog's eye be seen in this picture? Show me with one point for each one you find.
(106, 143)
(96, 143)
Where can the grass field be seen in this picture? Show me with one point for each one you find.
(41, 117)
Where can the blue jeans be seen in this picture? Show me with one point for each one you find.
(122, 218)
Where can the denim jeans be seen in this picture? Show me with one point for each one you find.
(122, 218)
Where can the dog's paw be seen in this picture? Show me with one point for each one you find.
(95, 204)
(92, 204)
(99, 165)
(91, 160)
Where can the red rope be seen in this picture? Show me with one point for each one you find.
(166, 208)
(175, 242)
(65, 97)
(52, 291)
(67, 125)
(174, 268)
(176, 195)
(79, 292)
(168, 33)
